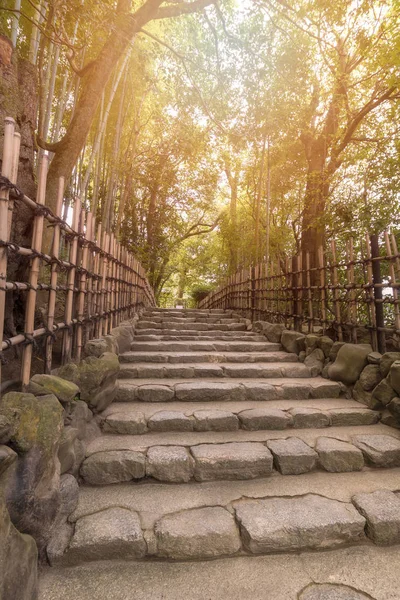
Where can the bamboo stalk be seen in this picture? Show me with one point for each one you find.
(322, 284)
(69, 301)
(82, 288)
(53, 279)
(393, 280)
(350, 281)
(34, 274)
(13, 178)
(336, 301)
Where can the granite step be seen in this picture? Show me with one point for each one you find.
(206, 336)
(215, 346)
(209, 390)
(171, 326)
(240, 335)
(234, 455)
(207, 357)
(140, 418)
(221, 370)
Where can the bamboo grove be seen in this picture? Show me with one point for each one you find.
(208, 136)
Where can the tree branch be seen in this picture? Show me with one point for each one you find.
(182, 8)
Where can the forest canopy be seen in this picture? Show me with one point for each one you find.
(210, 135)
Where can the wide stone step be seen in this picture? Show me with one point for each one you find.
(208, 357)
(199, 370)
(187, 311)
(225, 318)
(249, 524)
(209, 390)
(240, 335)
(139, 418)
(236, 455)
(247, 346)
(211, 336)
(171, 326)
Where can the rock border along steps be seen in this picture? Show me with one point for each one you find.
(204, 407)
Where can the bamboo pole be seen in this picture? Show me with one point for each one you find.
(336, 301)
(6, 171)
(73, 251)
(34, 275)
(322, 285)
(53, 279)
(352, 297)
(13, 178)
(393, 281)
(371, 303)
(82, 287)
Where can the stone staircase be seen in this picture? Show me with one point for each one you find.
(220, 444)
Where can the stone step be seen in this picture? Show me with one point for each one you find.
(224, 319)
(199, 370)
(205, 520)
(340, 573)
(234, 455)
(208, 357)
(209, 390)
(206, 336)
(171, 326)
(188, 311)
(139, 418)
(240, 335)
(205, 346)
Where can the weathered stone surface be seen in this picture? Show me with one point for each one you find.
(289, 341)
(96, 348)
(382, 511)
(383, 393)
(296, 391)
(326, 344)
(386, 362)
(309, 417)
(197, 533)
(65, 391)
(236, 460)
(18, 561)
(69, 494)
(315, 361)
(114, 466)
(66, 451)
(388, 419)
(206, 392)
(7, 458)
(353, 416)
(311, 343)
(331, 591)
(33, 496)
(334, 350)
(256, 419)
(154, 393)
(370, 377)
(215, 420)
(272, 331)
(169, 420)
(394, 407)
(132, 423)
(124, 337)
(394, 376)
(114, 533)
(350, 362)
(169, 463)
(365, 397)
(293, 456)
(77, 415)
(379, 450)
(7, 428)
(299, 523)
(374, 358)
(336, 456)
(259, 391)
(96, 379)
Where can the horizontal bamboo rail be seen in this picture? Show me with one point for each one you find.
(98, 286)
(351, 295)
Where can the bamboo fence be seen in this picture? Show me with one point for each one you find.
(351, 295)
(95, 280)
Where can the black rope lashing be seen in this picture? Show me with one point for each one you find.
(6, 184)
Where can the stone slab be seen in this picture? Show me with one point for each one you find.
(379, 450)
(336, 456)
(382, 511)
(292, 456)
(300, 523)
(264, 418)
(215, 420)
(170, 420)
(310, 417)
(114, 466)
(169, 463)
(231, 461)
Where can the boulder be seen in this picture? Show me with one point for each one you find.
(272, 331)
(197, 533)
(334, 350)
(66, 451)
(383, 393)
(394, 407)
(65, 391)
(96, 379)
(7, 428)
(78, 415)
(98, 347)
(315, 361)
(374, 358)
(124, 336)
(289, 341)
(394, 376)
(311, 343)
(370, 377)
(349, 364)
(365, 397)
(386, 362)
(326, 344)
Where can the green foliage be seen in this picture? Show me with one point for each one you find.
(199, 291)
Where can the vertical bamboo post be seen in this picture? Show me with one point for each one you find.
(13, 177)
(90, 281)
(6, 171)
(378, 294)
(69, 301)
(322, 286)
(55, 250)
(350, 282)
(371, 304)
(34, 274)
(82, 287)
(103, 296)
(98, 270)
(336, 301)
(393, 281)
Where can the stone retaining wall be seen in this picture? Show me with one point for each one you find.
(372, 378)
(44, 432)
